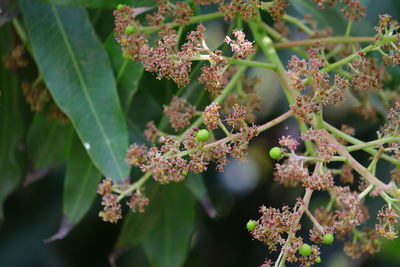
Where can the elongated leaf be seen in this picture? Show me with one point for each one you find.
(80, 184)
(167, 245)
(137, 225)
(12, 127)
(48, 142)
(102, 3)
(79, 76)
(128, 72)
(195, 183)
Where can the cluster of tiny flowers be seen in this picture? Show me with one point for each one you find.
(138, 202)
(353, 9)
(15, 58)
(112, 208)
(365, 241)
(36, 95)
(130, 42)
(211, 116)
(386, 226)
(112, 211)
(247, 9)
(276, 228)
(241, 47)
(275, 224)
(248, 98)
(306, 105)
(170, 163)
(367, 75)
(389, 27)
(326, 150)
(277, 9)
(212, 75)
(180, 13)
(180, 112)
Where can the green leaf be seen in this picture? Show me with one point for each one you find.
(195, 183)
(167, 245)
(78, 73)
(12, 127)
(127, 72)
(102, 3)
(48, 142)
(80, 183)
(137, 225)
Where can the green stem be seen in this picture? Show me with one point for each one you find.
(193, 20)
(327, 40)
(267, 46)
(355, 141)
(244, 62)
(373, 143)
(348, 28)
(366, 191)
(135, 186)
(365, 50)
(298, 23)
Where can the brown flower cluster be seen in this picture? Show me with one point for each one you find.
(180, 112)
(241, 47)
(353, 9)
(112, 209)
(277, 9)
(387, 220)
(15, 58)
(322, 91)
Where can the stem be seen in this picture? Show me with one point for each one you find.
(121, 70)
(327, 40)
(334, 158)
(348, 28)
(341, 150)
(244, 62)
(222, 126)
(366, 191)
(355, 141)
(193, 20)
(298, 23)
(373, 143)
(267, 47)
(135, 186)
(314, 221)
(306, 201)
(365, 50)
(232, 137)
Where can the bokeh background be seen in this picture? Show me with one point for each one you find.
(33, 212)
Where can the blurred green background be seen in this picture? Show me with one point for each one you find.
(33, 212)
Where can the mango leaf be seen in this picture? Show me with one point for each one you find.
(80, 187)
(127, 72)
(102, 3)
(137, 225)
(12, 127)
(48, 142)
(78, 73)
(80, 183)
(168, 242)
(195, 183)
